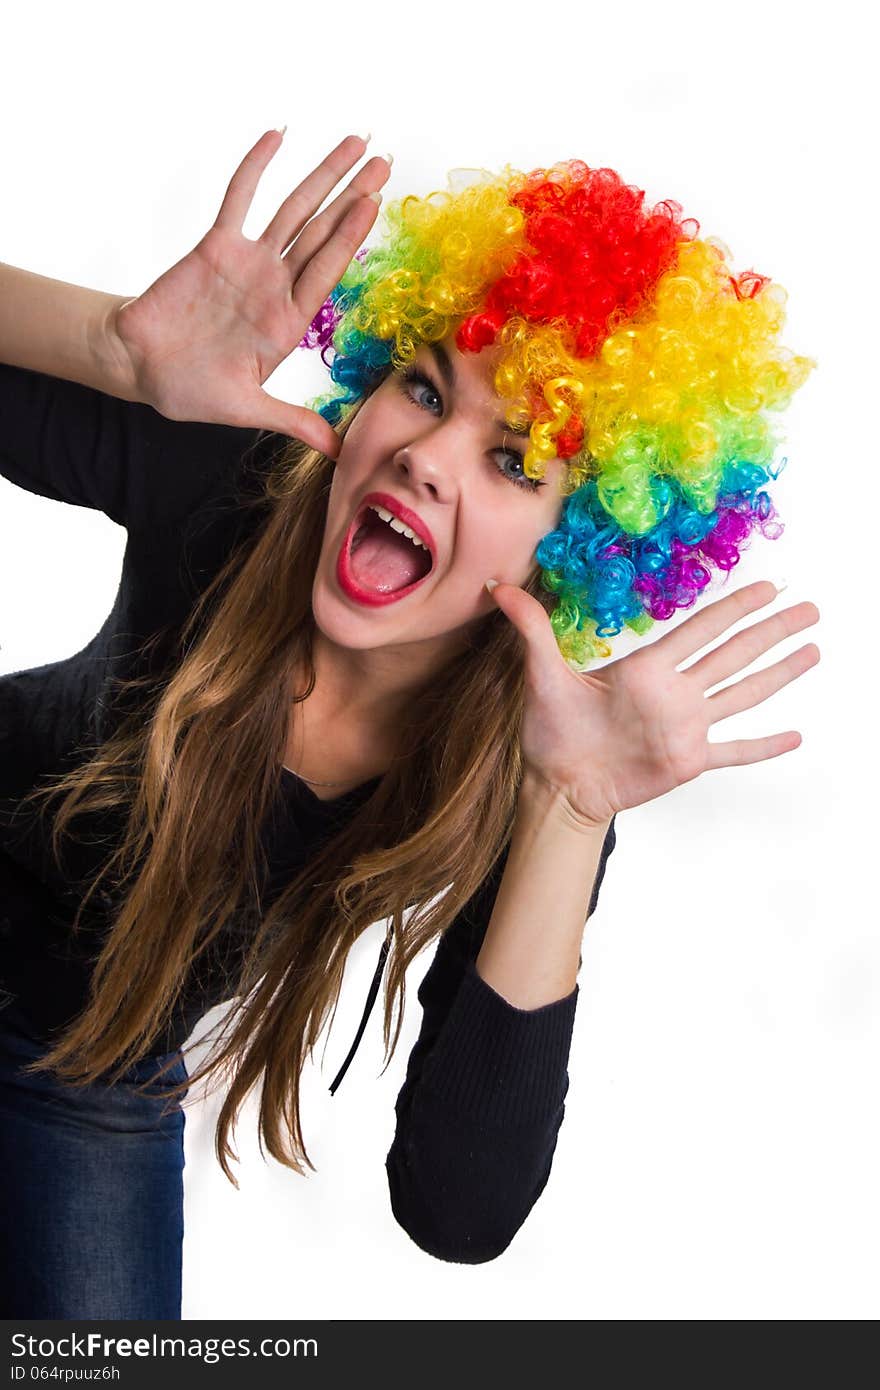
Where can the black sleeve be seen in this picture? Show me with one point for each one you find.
(74, 444)
(479, 1113)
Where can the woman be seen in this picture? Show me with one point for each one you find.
(307, 714)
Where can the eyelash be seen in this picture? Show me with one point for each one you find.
(412, 375)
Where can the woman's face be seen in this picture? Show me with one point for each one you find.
(432, 445)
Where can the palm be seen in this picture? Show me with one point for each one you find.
(616, 738)
(208, 333)
(213, 326)
(653, 727)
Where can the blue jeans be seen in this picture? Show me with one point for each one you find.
(91, 1190)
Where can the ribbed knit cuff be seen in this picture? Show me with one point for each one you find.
(505, 1065)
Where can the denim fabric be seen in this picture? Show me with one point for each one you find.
(91, 1189)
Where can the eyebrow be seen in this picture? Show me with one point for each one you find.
(447, 371)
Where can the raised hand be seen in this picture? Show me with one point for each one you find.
(206, 335)
(623, 735)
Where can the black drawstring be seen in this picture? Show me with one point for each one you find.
(371, 999)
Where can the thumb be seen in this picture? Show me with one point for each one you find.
(531, 621)
(265, 412)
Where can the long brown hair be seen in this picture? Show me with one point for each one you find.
(194, 768)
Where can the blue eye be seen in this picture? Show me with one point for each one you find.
(412, 376)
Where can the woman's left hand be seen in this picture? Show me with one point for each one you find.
(617, 737)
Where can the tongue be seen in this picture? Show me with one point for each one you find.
(383, 560)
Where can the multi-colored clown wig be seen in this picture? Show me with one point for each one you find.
(629, 347)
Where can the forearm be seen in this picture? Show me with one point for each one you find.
(531, 951)
(63, 330)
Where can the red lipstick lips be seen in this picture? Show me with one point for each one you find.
(346, 579)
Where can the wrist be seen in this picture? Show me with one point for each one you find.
(115, 371)
(543, 798)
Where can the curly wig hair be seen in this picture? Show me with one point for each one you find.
(630, 349)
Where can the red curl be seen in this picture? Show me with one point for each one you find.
(478, 331)
(748, 283)
(569, 440)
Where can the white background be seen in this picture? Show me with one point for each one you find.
(719, 1154)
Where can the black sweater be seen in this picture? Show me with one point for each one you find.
(479, 1112)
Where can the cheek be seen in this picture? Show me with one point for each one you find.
(503, 549)
(353, 463)
(366, 443)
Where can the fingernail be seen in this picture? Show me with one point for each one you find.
(366, 138)
(780, 585)
(376, 197)
(389, 158)
(490, 584)
(281, 129)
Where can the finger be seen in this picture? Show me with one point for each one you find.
(745, 694)
(751, 750)
(740, 651)
(264, 412)
(243, 184)
(308, 196)
(712, 620)
(369, 179)
(531, 619)
(329, 263)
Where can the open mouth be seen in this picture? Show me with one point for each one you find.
(378, 563)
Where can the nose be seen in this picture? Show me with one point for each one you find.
(422, 466)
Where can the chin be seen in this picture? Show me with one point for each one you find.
(343, 626)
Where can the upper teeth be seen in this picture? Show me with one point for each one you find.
(397, 524)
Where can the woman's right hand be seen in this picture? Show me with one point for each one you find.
(206, 335)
